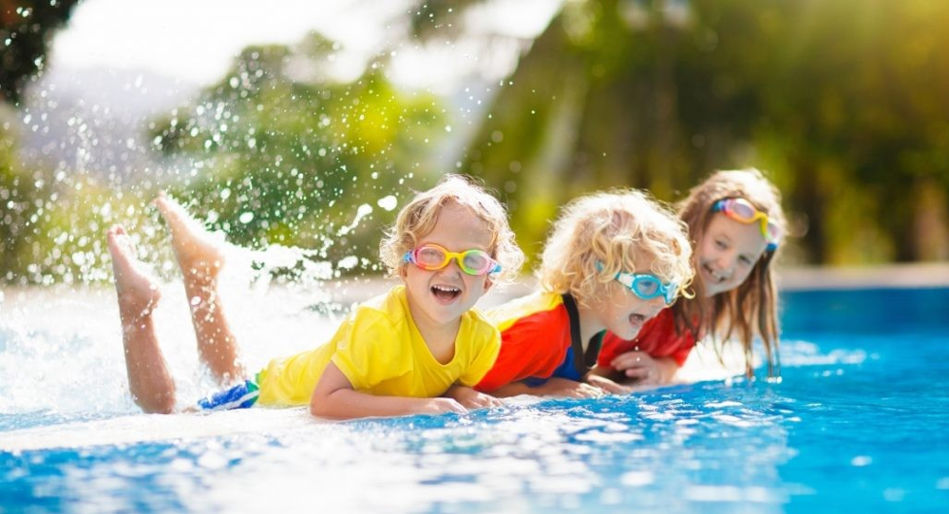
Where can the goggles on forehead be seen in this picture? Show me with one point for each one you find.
(742, 210)
(646, 286)
(433, 257)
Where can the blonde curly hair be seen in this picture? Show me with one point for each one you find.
(622, 230)
(419, 216)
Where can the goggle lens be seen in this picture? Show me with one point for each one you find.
(647, 286)
(742, 210)
(476, 260)
(430, 257)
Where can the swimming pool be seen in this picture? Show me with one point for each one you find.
(860, 421)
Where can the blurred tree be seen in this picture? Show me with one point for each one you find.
(857, 109)
(17, 211)
(26, 28)
(276, 152)
(843, 102)
(52, 224)
(282, 153)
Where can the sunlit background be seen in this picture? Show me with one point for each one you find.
(297, 129)
(307, 123)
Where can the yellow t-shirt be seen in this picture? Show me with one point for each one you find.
(380, 350)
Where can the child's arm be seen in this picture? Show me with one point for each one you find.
(643, 369)
(335, 398)
(472, 399)
(560, 387)
(605, 383)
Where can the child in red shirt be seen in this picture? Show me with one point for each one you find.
(736, 226)
(613, 261)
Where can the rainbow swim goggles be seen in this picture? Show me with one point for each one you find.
(742, 210)
(646, 286)
(431, 257)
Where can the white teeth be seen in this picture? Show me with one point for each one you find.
(447, 289)
(714, 274)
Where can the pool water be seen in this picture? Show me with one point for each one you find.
(860, 421)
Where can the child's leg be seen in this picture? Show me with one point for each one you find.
(200, 260)
(149, 381)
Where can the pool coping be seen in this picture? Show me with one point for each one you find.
(916, 275)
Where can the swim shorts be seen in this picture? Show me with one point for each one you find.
(241, 396)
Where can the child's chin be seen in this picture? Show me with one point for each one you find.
(628, 332)
(447, 313)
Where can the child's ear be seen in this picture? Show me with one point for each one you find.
(402, 271)
(487, 284)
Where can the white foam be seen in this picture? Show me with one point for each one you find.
(155, 427)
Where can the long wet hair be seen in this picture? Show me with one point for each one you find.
(750, 309)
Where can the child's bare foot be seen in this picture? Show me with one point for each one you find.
(198, 255)
(200, 259)
(136, 290)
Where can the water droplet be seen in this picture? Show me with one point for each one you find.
(388, 202)
(349, 262)
(246, 217)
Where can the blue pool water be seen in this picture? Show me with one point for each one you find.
(860, 421)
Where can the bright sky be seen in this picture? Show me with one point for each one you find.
(195, 40)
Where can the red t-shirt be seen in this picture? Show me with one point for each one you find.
(658, 338)
(535, 337)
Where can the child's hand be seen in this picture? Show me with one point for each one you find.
(607, 385)
(642, 368)
(472, 399)
(441, 406)
(569, 388)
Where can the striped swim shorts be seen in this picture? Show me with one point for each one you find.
(241, 396)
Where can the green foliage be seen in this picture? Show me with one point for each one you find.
(26, 27)
(438, 18)
(843, 102)
(18, 213)
(282, 154)
(52, 226)
(275, 153)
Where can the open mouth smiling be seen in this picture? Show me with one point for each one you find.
(445, 293)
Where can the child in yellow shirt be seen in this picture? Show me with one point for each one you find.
(417, 349)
